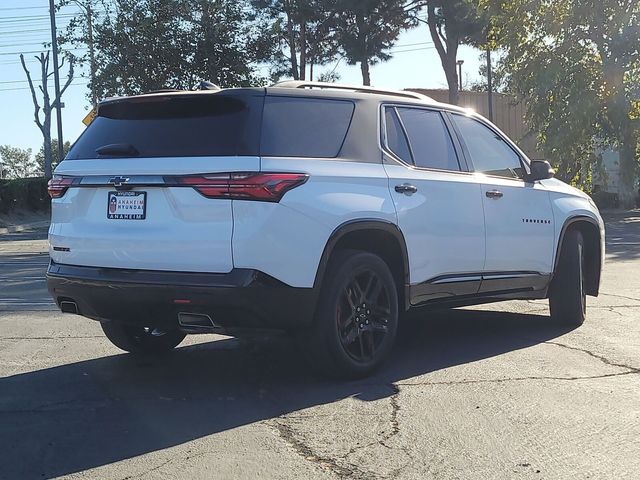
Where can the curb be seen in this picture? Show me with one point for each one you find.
(24, 227)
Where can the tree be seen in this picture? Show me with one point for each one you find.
(157, 44)
(576, 63)
(304, 31)
(452, 23)
(47, 105)
(225, 41)
(40, 156)
(367, 29)
(79, 33)
(16, 162)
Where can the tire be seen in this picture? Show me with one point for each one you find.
(141, 340)
(567, 300)
(356, 321)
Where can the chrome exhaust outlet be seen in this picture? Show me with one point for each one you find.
(68, 307)
(196, 323)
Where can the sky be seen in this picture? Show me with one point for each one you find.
(24, 26)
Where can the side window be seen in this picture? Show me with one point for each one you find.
(489, 153)
(395, 137)
(304, 127)
(429, 139)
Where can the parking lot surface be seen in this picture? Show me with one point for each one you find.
(493, 392)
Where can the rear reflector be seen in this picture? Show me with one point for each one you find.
(266, 187)
(58, 186)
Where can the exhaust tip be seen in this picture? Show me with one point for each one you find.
(68, 307)
(196, 322)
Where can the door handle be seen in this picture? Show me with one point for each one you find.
(493, 194)
(406, 188)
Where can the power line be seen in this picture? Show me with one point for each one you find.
(13, 89)
(31, 24)
(413, 50)
(25, 81)
(412, 44)
(22, 8)
(20, 18)
(25, 44)
(13, 32)
(38, 51)
(18, 81)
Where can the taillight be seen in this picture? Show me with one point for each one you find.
(266, 187)
(57, 186)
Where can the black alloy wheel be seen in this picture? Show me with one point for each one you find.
(356, 318)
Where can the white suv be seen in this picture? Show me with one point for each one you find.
(323, 210)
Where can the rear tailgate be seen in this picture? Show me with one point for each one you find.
(126, 206)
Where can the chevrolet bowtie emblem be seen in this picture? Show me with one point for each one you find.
(118, 181)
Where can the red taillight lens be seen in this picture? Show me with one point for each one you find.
(58, 186)
(211, 186)
(266, 187)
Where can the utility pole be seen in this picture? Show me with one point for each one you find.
(92, 57)
(56, 79)
(459, 63)
(489, 85)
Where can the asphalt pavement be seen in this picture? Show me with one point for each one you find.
(493, 392)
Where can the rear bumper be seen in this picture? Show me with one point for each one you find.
(242, 298)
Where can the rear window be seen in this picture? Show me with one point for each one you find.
(197, 125)
(304, 127)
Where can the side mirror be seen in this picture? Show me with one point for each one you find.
(540, 170)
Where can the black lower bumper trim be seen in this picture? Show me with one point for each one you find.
(242, 298)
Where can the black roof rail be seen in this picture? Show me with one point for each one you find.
(353, 88)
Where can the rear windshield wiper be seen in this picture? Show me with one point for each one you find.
(118, 150)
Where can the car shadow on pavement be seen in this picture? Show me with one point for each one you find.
(83, 415)
(623, 234)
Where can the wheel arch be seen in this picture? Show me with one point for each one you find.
(377, 236)
(590, 230)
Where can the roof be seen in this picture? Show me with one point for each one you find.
(300, 88)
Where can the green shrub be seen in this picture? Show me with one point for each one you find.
(24, 193)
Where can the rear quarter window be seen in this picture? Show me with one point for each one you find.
(304, 127)
(178, 126)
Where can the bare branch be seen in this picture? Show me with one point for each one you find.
(36, 106)
(67, 83)
(413, 5)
